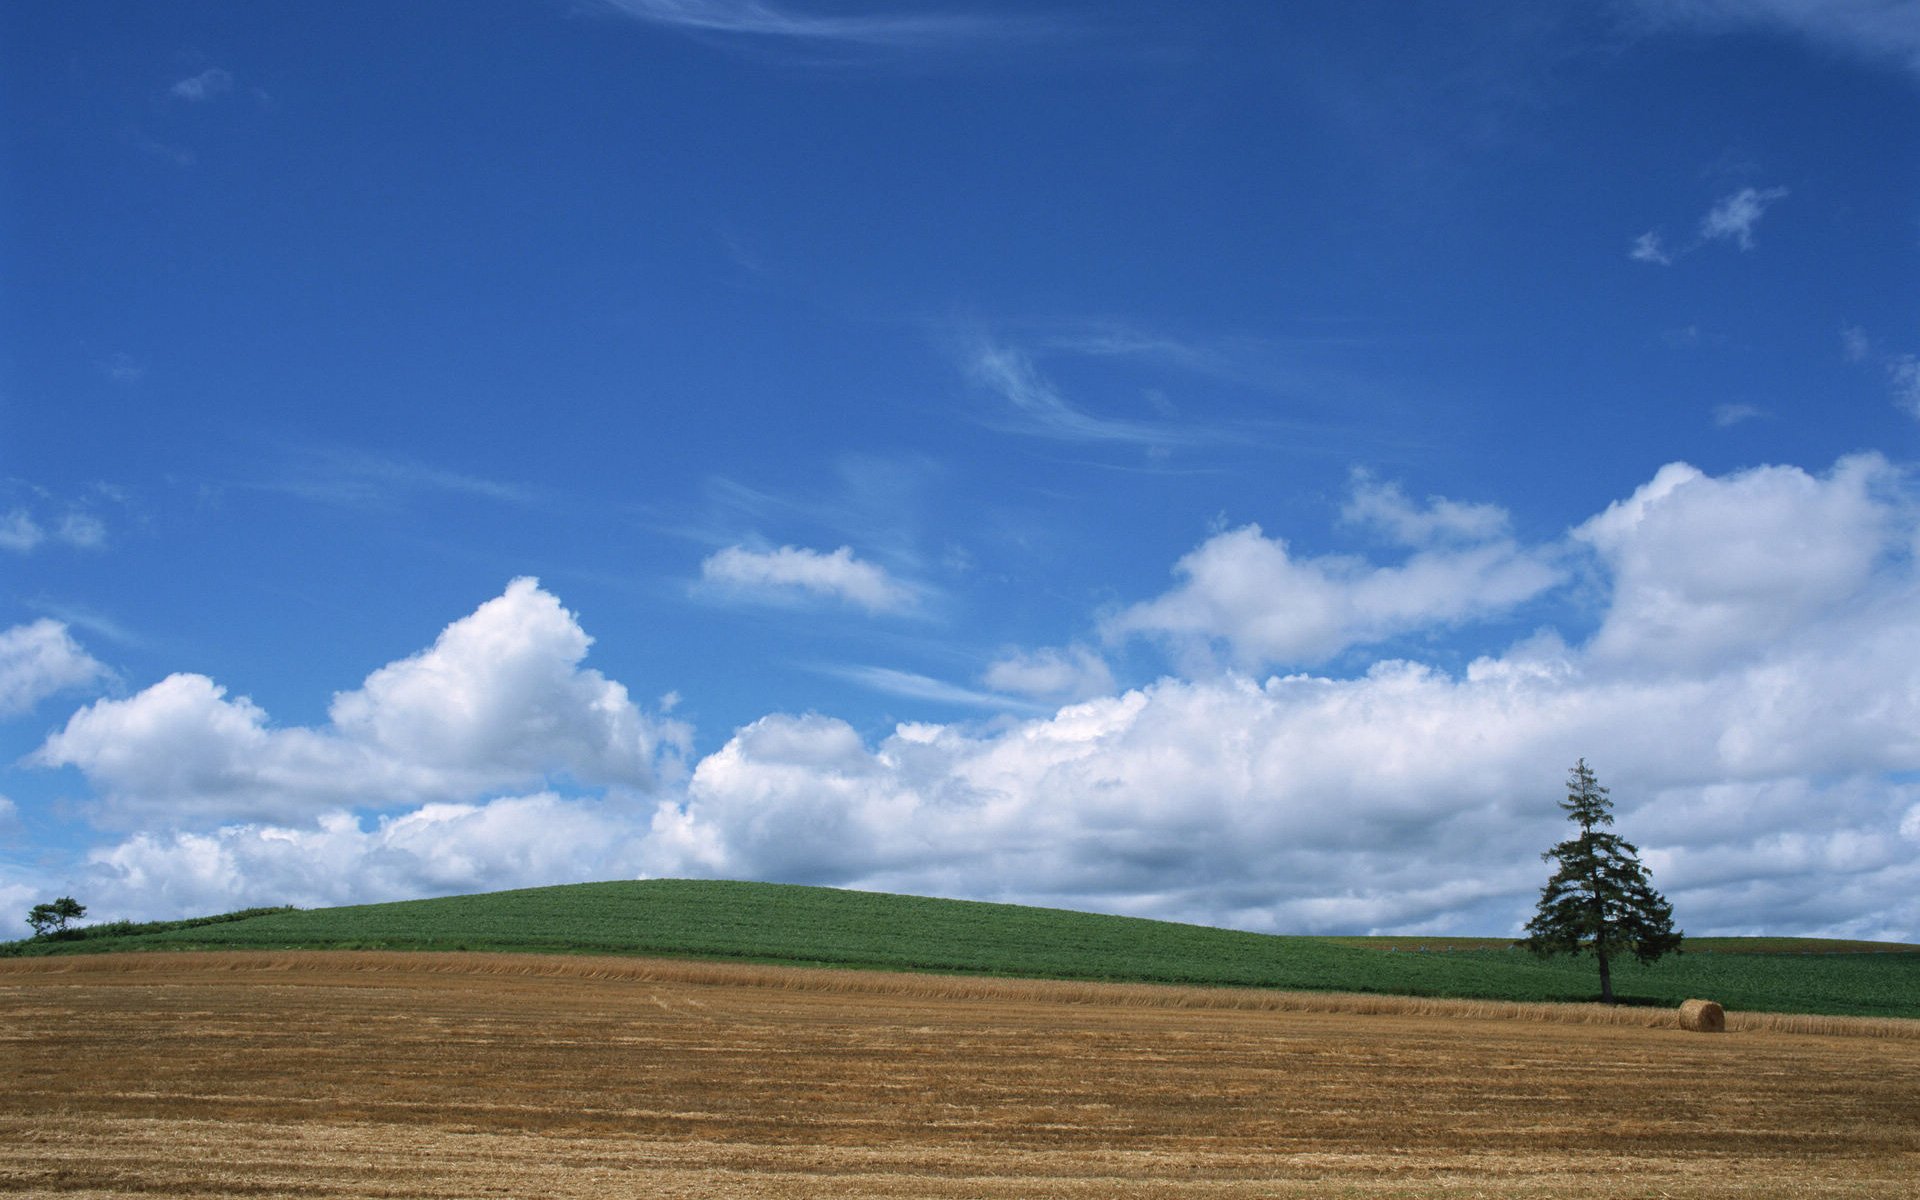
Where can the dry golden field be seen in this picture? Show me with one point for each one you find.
(346, 1074)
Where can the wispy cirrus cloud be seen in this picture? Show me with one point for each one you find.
(910, 685)
(1880, 30)
(914, 30)
(1902, 369)
(354, 478)
(1033, 406)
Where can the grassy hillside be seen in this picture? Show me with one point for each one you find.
(822, 926)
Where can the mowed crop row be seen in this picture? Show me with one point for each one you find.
(454, 1075)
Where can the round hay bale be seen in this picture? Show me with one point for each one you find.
(1703, 1016)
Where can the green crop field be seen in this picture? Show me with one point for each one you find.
(781, 923)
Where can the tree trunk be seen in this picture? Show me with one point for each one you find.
(1606, 979)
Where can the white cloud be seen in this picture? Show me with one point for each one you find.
(1734, 217)
(914, 686)
(38, 660)
(919, 29)
(1871, 29)
(1855, 344)
(1726, 416)
(1038, 409)
(80, 529)
(204, 86)
(362, 479)
(122, 368)
(1647, 249)
(1705, 567)
(1904, 371)
(15, 901)
(1251, 596)
(499, 700)
(1052, 673)
(1383, 506)
(795, 571)
(19, 532)
(1752, 697)
(515, 841)
(1404, 798)
(22, 532)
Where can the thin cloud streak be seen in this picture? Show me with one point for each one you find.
(911, 686)
(363, 479)
(1868, 29)
(1040, 411)
(888, 31)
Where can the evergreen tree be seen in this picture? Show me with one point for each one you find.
(1600, 900)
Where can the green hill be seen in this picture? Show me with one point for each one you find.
(782, 923)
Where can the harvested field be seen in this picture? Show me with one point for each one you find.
(344, 1074)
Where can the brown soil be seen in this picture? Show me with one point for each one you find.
(336, 1074)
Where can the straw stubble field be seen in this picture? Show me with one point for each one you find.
(342, 1074)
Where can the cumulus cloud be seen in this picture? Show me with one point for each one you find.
(512, 841)
(1751, 694)
(1705, 567)
(40, 659)
(1051, 673)
(796, 572)
(1758, 663)
(1251, 597)
(1734, 217)
(498, 701)
(1402, 799)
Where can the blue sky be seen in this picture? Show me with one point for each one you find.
(1221, 465)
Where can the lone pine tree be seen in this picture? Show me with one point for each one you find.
(1600, 900)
